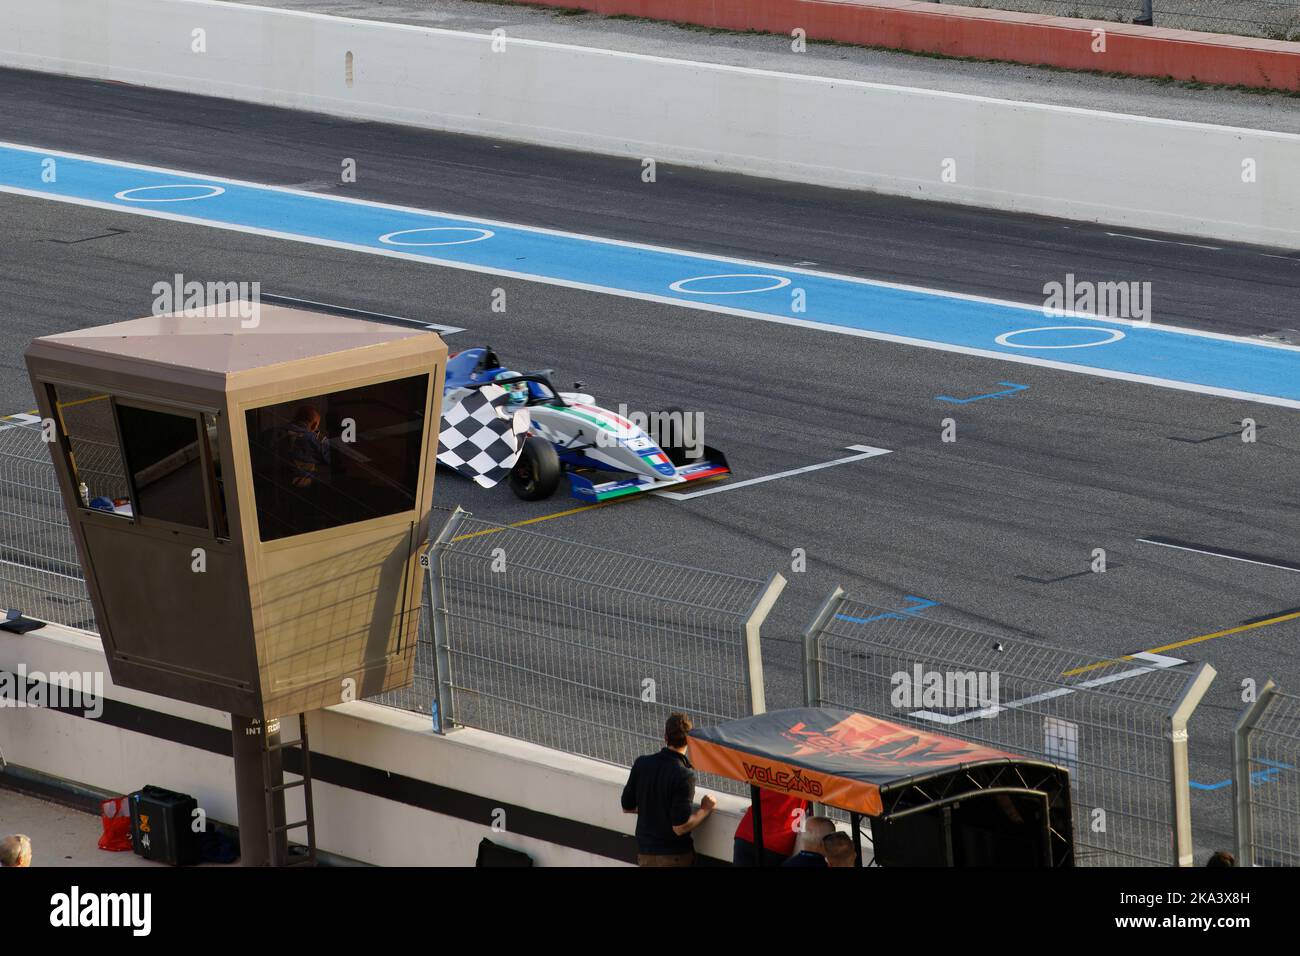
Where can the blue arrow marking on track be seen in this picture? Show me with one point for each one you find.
(1014, 389)
(1270, 773)
(902, 614)
(1176, 358)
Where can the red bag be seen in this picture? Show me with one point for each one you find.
(115, 814)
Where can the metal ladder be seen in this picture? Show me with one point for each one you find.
(274, 831)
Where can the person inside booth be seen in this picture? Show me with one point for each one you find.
(302, 471)
(330, 460)
(306, 450)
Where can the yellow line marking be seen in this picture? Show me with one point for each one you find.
(561, 514)
(81, 401)
(520, 524)
(1187, 643)
(62, 405)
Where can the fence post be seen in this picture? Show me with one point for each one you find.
(443, 701)
(1180, 779)
(812, 668)
(1243, 824)
(753, 645)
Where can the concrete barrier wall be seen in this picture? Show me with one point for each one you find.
(1217, 182)
(955, 30)
(387, 790)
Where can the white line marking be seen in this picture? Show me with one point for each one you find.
(541, 230)
(487, 38)
(276, 298)
(730, 310)
(867, 451)
(1163, 660)
(681, 303)
(1167, 242)
(15, 421)
(1158, 662)
(1216, 554)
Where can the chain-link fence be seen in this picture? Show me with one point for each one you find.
(1266, 780)
(40, 573)
(587, 650)
(1274, 19)
(581, 648)
(1118, 726)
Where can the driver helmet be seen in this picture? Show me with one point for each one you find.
(517, 393)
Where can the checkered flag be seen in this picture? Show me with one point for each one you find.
(479, 438)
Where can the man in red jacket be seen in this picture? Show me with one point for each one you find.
(783, 819)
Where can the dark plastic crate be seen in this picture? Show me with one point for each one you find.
(161, 826)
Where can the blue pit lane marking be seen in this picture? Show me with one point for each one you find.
(1161, 355)
(1014, 389)
(902, 614)
(1272, 770)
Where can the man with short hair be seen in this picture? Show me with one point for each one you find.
(307, 449)
(839, 849)
(16, 850)
(810, 847)
(660, 790)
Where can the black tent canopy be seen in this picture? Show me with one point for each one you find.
(932, 799)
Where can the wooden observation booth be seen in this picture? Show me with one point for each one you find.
(249, 497)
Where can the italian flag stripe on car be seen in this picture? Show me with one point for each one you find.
(604, 417)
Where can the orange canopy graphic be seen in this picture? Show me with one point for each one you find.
(836, 757)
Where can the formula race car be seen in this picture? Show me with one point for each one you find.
(605, 455)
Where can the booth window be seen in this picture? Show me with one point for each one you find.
(85, 418)
(336, 459)
(217, 475)
(166, 464)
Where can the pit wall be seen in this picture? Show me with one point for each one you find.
(1135, 172)
(387, 790)
(951, 30)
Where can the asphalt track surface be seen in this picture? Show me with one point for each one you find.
(1034, 483)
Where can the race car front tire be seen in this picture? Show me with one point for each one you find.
(536, 474)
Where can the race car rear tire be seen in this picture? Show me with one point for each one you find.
(536, 474)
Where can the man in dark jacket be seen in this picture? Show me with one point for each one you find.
(660, 790)
(307, 450)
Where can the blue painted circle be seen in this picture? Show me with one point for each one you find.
(780, 283)
(390, 239)
(125, 194)
(1108, 336)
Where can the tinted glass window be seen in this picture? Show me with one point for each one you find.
(86, 420)
(218, 475)
(336, 459)
(162, 453)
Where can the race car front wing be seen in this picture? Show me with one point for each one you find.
(584, 489)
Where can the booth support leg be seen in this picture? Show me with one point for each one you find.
(259, 767)
(856, 820)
